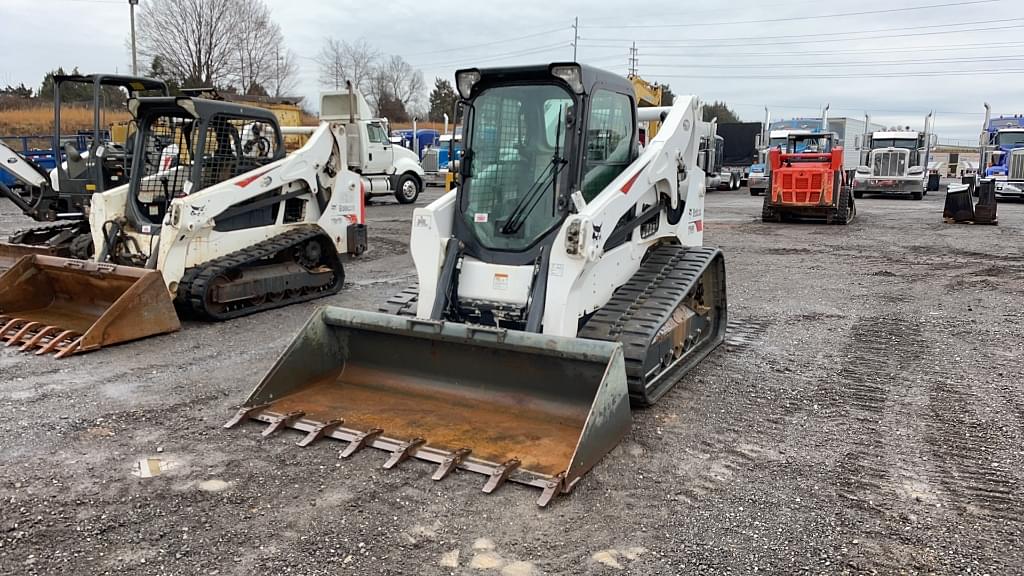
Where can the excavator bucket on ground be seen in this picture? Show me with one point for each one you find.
(514, 406)
(50, 304)
(11, 253)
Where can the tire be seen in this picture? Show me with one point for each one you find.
(768, 212)
(846, 210)
(408, 188)
(917, 195)
(81, 247)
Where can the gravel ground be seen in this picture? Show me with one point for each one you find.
(865, 416)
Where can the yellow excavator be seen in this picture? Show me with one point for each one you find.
(562, 281)
(647, 95)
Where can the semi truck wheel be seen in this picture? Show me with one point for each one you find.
(408, 189)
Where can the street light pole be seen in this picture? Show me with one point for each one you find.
(135, 58)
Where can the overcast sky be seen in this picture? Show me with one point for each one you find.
(883, 57)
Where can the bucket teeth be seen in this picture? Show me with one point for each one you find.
(556, 486)
(33, 341)
(279, 422)
(360, 442)
(319, 432)
(449, 463)
(28, 335)
(25, 329)
(403, 452)
(501, 474)
(244, 413)
(55, 342)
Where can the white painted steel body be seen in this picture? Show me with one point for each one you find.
(582, 277)
(187, 236)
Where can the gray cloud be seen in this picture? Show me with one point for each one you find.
(718, 50)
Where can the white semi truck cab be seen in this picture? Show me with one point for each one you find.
(386, 168)
(894, 162)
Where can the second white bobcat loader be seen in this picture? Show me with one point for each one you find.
(216, 221)
(563, 279)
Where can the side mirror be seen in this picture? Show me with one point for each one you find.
(856, 142)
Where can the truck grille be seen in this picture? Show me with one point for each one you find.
(889, 163)
(1017, 165)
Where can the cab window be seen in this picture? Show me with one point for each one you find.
(376, 134)
(609, 141)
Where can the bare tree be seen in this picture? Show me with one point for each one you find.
(404, 82)
(217, 43)
(340, 61)
(195, 39)
(258, 42)
(285, 73)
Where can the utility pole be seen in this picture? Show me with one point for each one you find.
(135, 58)
(575, 36)
(633, 60)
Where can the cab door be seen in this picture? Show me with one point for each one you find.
(380, 155)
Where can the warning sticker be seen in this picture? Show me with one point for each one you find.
(480, 218)
(501, 281)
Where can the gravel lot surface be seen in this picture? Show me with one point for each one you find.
(865, 416)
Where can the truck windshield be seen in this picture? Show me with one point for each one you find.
(515, 134)
(810, 144)
(777, 142)
(1010, 139)
(893, 143)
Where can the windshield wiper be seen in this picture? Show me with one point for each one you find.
(525, 207)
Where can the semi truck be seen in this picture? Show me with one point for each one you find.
(740, 150)
(1002, 153)
(894, 161)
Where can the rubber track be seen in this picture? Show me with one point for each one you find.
(402, 304)
(641, 306)
(50, 230)
(193, 286)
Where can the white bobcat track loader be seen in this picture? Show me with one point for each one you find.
(216, 222)
(561, 280)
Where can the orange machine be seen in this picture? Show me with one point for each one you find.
(807, 180)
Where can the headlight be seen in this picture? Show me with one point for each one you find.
(572, 75)
(465, 80)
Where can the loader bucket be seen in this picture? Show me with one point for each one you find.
(11, 253)
(528, 408)
(50, 304)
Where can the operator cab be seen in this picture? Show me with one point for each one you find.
(185, 145)
(808, 147)
(538, 140)
(534, 135)
(94, 162)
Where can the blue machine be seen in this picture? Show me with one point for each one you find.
(425, 138)
(1005, 134)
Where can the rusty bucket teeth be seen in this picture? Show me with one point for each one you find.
(28, 335)
(530, 409)
(403, 452)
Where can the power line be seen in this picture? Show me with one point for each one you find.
(1011, 58)
(792, 18)
(818, 37)
(907, 74)
(930, 48)
(832, 40)
(475, 59)
(492, 43)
